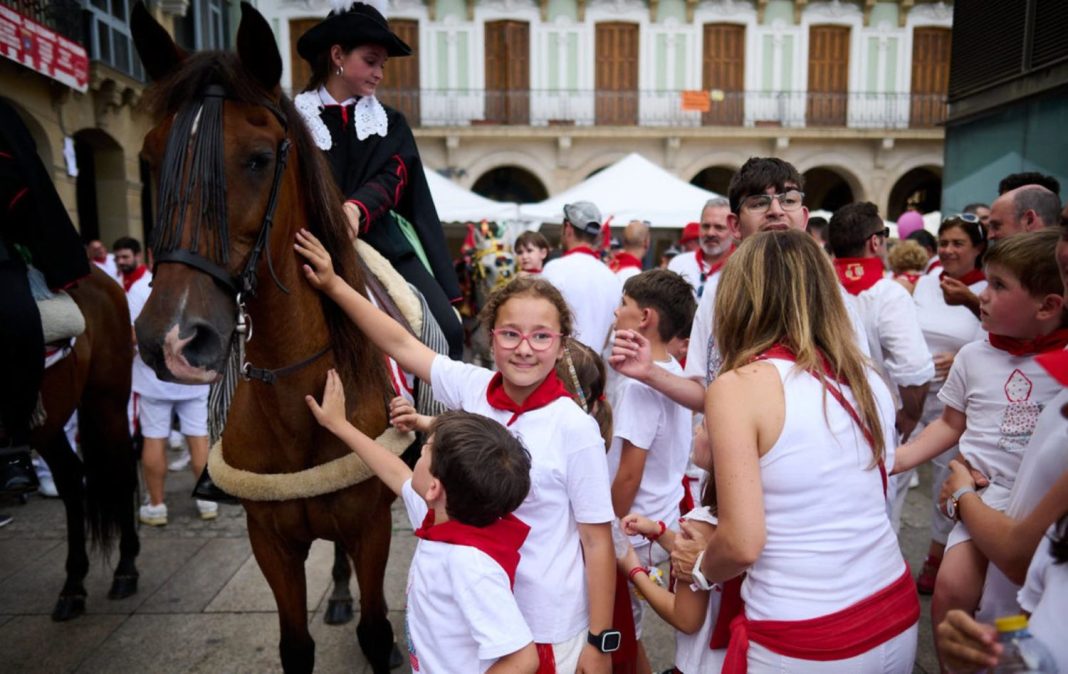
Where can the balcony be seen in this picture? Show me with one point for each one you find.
(797, 109)
(62, 16)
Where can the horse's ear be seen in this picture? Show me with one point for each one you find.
(257, 49)
(159, 54)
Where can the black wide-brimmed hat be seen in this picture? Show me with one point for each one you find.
(360, 24)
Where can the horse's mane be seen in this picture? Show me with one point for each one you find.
(356, 358)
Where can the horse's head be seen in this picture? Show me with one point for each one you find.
(492, 261)
(218, 155)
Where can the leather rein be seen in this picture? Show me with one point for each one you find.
(243, 285)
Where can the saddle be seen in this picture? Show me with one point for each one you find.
(61, 319)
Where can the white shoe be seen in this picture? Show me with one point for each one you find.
(47, 486)
(914, 481)
(179, 464)
(209, 510)
(154, 515)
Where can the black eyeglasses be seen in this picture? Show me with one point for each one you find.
(790, 200)
(884, 232)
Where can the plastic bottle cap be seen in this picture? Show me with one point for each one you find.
(1012, 623)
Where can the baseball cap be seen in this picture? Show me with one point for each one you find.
(691, 232)
(584, 216)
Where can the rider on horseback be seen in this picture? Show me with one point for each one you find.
(34, 228)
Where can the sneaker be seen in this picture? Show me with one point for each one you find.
(925, 582)
(914, 481)
(154, 515)
(5, 519)
(47, 486)
(179, 464)
(209, 510)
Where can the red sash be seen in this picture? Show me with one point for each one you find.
(585, 250)
(548, 390)
(843, 634)
(624, 260)
(500, 540)
(133, 277)
(546, 659)
(857, 274)
(1054, 341)
(974, 276)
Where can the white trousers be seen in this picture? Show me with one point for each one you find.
(896, 656)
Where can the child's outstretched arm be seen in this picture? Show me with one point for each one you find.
(386, 333)
(331, 416)
(685, 609)
(939, 436)
(640, 525)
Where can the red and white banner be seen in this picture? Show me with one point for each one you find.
(27, 42)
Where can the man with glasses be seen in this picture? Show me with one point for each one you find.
(701, 266)
(898, 349)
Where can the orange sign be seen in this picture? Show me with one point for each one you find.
(695, 101)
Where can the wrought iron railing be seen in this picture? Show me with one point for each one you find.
(791, 109)
(62, 16)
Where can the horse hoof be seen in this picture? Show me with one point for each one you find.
(338, 612)
(123, 586)
(395, 658)
(68, 607)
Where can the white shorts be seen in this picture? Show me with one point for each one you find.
(156, 415)
(996, 496)
(894, 656)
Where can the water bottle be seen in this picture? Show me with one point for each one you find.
(1022, 652)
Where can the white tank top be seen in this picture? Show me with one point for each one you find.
(829, 541)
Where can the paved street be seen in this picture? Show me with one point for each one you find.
(203, 605)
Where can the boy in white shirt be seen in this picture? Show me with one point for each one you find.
(472, 473)
(651, 433)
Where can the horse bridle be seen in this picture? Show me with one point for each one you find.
(243, 284)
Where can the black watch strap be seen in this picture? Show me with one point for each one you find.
(607, 641)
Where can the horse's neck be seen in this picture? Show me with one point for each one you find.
(286, 327)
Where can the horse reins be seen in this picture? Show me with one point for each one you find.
(243, 284)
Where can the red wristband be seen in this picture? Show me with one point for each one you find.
(663, 528)
(635, 571)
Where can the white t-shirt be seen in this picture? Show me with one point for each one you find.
(1002, 396)
(145, 382)
(895, 341)
(591, 290)
(686, 266)
(1045, 596)
(651, 421)
(692, 654)
(702, 356)
(568, 485)
(625, 273)
(461, 610)
(1044, 461)
(110, 268)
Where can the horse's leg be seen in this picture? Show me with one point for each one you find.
(282, 564)
(339, 606)
(68, 473)
(370, 554)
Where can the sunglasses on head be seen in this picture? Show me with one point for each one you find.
(970, 218)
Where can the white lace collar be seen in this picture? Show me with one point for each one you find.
(369, 117)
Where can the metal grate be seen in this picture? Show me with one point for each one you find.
(1051, 33)
(988, 40)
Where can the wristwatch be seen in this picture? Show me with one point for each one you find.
(952, 510)
(606, 642)
(699, 579)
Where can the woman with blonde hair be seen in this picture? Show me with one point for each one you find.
(800, 426)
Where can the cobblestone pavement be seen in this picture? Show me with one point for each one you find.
(203, 605)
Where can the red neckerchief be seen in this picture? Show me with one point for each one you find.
(548, 390)
(857, 274)
(133, 277)
(974, 276)
(624, 260)
(533, 271)
(717, 265)
(1056, 363)
(783, 352)
(1054, 341)
(583, 249)
(843, 634)
(934, 263)
(500, 540)
(910, 276)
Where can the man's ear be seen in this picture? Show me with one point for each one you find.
(1052, 306)
(732, 225)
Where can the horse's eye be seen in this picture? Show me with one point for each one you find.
(257, 162)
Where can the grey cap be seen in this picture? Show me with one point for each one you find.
(584, 216)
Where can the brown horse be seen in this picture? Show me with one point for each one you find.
(238, 176)
(98, 490)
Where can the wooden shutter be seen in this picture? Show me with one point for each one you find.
(301, 69)
(616, 73)
(723, 68)
(400, 83)
(507, 72)
(828, 75)
(930, 75)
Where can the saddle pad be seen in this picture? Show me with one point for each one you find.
(61, 319)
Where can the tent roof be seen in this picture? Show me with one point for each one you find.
(633, 188)
(456, 204)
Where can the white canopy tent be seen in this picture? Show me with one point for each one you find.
(456, 204)
(633, 188)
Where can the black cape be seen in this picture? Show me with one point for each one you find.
(385, 174)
